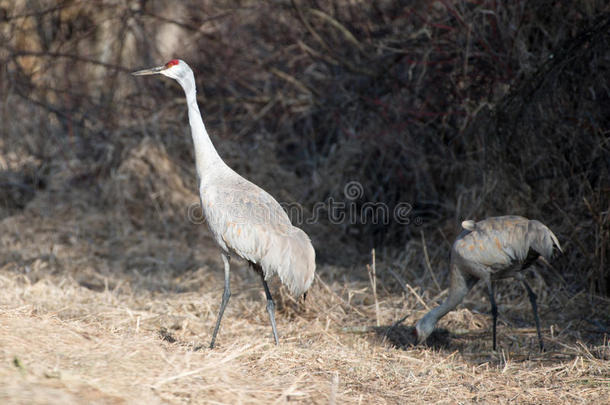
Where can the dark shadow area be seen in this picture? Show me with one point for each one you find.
(520, 344)
(17, 188)
(404, 337)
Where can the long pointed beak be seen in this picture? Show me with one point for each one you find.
(151, 71)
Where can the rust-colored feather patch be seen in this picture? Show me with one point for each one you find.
(497, 242)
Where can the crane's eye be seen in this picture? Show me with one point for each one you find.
(171, 63)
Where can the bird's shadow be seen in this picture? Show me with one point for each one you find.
(404, 337)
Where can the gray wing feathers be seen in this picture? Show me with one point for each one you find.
(501, 241)
(247, 221)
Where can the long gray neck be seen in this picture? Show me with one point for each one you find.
(206, 156)
(452, 301)
(457, 291)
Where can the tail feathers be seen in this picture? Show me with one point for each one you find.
(293, 258)
(555, 240)
(542, 239)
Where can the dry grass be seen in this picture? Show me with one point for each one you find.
(95, 312)
(108, 293)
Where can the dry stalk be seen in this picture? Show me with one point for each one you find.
(428, 266)
(407, 287)
(334, 386)
(373, 280)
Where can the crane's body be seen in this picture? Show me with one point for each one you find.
(488, 250)
(244, 220)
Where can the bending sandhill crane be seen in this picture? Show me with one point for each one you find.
(244, 219)
(488, 250)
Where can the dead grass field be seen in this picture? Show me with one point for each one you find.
(463, 109)
(94, 312)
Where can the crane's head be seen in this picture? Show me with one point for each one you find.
(424, 328)
(176, 69)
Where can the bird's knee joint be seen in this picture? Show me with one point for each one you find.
(270, 305)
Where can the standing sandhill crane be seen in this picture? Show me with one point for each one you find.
(489, 250)
(244, 219)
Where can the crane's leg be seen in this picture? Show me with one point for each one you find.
(270, 309)
(494, 310)
(532, 296)
(225, 298)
